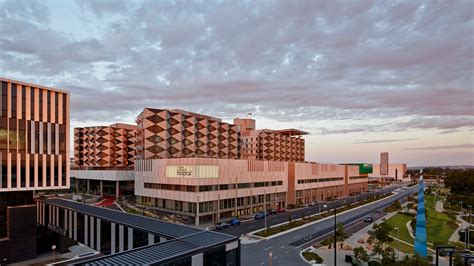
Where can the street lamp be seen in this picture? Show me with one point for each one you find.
(398, 242)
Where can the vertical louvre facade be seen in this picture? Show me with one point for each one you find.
(105, 146)
(34, 137)
(164, 133)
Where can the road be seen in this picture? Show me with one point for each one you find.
(286, 248)
(254, 225)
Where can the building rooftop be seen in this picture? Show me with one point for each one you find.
(185, 240)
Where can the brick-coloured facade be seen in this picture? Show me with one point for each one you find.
(104, 146)
(270, 145)
(164, 133)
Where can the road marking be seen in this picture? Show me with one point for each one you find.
(268, 248)
(296, 237)
(275, 258)
(282, 247)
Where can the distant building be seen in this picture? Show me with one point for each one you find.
(34, 156)
(384, 163)
(396, 172)
(271, 145)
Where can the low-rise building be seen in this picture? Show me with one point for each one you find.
(205, 190)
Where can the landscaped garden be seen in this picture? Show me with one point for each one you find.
(439, 225)
(308, 219)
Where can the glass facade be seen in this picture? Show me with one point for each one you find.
(33, 137)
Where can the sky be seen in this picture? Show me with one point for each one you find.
(362, 77)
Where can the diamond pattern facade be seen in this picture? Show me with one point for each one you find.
(104, 146)
(164, 133)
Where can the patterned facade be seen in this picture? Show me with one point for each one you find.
(164, 133)
(104, 146)
(34, 137)
(270, 145)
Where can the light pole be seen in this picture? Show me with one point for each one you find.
(335, 236)
(265, 208)
(398, 242)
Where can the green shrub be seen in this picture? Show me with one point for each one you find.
(310, 256)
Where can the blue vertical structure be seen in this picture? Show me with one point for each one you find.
(420, 233)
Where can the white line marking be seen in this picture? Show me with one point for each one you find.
(296, 237)
(268, 248)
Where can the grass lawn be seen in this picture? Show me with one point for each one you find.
(439, 226)
(400, 220)
(407, 249)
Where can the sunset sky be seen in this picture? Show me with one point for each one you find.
(361, 77)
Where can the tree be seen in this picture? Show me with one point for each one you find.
(414, 260)
(361, 254)
(381, 233)
(388, 255)
(457, 260)
(340, 232)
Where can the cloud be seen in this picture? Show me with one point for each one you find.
(462, 146)
(382, 141)
(284, 60)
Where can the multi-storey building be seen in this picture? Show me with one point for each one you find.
(164, 133)
(34, 155)
(271, 145)
(103, 159)
(104, 146)
(206, 190)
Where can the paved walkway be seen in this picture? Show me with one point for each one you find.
(464, 224)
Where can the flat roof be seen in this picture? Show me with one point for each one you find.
(131, 220)
(186, 240)
(156, 253)
(33, 85)
(291, 131)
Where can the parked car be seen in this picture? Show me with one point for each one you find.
(260, 215)
(271, 211)
(314, 203)
(368, 219)
(280, 210)
(234, 222)
(222, 225)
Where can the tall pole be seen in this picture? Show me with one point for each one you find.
(398, 242)
(236, 196)
(335, 237)
(265, 207)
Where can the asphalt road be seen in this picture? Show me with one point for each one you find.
(286, 248)
(254, 225)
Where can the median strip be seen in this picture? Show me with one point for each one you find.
(292, 225)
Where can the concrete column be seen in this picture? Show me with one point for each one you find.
(197, 260)
(121, 240)
(98, 235)
(88, 186)
(130, 238)
(162, 239)
(75, 226)
(91, 240)
(70, 224)
(65, 220)
(86, 230)
(112, 240)
(151, 239)
(196, 219)
(101, 188)
(117, 189)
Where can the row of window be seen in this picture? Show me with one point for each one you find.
(47, 98)
(317, 180)
(206, 188)
(357, 177)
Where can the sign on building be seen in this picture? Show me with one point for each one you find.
(192, 171)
